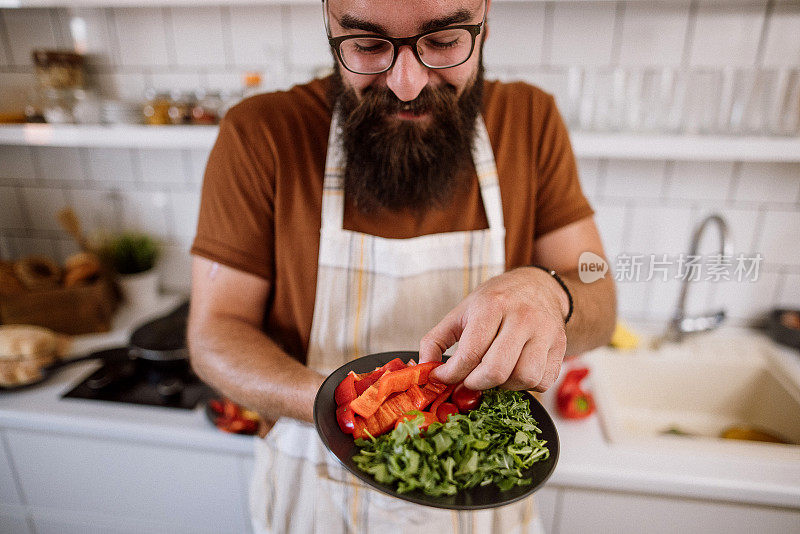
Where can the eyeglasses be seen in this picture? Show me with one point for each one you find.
(436, 49)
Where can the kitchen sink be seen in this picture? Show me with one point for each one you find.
(687, 394)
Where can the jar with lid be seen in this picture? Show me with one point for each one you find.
(207, 109)
(156, 108)
(59, 69)
(180, 108)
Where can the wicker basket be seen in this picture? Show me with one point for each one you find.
(76, 310)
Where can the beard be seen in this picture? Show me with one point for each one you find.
(397, 164)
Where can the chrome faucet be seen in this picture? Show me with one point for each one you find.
(681, 324)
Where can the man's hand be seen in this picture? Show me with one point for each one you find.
(510, 333)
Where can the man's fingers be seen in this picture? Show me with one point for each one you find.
(475, 341)
(530, 366)
(498, 363)
(554, 358)
(441, 337)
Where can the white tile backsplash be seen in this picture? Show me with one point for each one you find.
(142, 36)
(788, 295)
(42, 206)
(112, 165)
(198, 36)
(146, 211)
(704, 180)
(726, 34)
(90, 33)
(641, 206)
(779, 241)
(185, 207)
(61, 164)
(782, 46)
(746, 299)
(161, 166)
(520, 31)
(768, 182)
(308, 46)
(654, 33)
(257, 35)
(11, 214)
(659, 230)
(28, 30)
(634, 178)
(16, 164)
(583, 33)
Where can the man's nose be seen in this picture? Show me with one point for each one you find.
(408, 76)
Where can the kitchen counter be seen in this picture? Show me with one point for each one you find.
(587, 460)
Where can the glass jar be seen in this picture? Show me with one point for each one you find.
(207, 109)
(59, 69)
(180, 108)
(156, 108)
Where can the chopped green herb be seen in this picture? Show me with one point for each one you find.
(492, 444)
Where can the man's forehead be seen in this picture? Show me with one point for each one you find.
(390, 16)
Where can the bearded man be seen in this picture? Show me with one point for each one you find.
(402, 203)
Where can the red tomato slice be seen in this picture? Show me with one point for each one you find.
(466, 399)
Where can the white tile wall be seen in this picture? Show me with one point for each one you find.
(782, 45)
(583, 34)
(700, 180)
(11, 215)
(257, 34)
(643, 207)
(654, 33)
(61, 164)
(17, 164)
(726, 34)
(142, 35)
(42, 205)
(198, 36)
(634, 178)
(515, 34)
(779, 241)
(29, 29)
(770, 182)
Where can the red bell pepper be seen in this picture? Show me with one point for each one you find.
(345, 392)
(365, 380)
(346, 419)
(442, 397)
(384, 419)
(571, 400)
(368, 402)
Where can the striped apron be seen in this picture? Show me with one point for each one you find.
(375, 295)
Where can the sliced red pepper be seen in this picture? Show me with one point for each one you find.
(345, 392)
(442, 397)
(368, 402)
(365, 380)
(346, 419)
(384, 419)
(571, 400)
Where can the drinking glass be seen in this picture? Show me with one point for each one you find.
(701, 101)
(784, 117)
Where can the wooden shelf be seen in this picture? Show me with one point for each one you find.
(585, 144)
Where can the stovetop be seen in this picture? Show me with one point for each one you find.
(127, 379)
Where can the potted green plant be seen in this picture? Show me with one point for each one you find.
(133, 256)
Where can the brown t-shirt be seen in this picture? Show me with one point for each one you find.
(262, 193)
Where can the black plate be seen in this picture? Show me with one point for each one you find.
(343, 446)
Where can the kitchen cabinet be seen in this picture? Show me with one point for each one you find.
(80, 484)
(620, 513)
(585, 144)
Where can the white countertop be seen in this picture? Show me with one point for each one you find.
(587, 459)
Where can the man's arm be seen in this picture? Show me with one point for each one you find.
(511, 329)
(229, 351)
